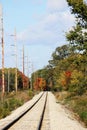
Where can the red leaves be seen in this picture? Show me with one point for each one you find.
(66, 79)
(68, 74)
(39, 84)
(25, 79)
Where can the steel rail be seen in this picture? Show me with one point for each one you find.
(20, 116)
(42, 115)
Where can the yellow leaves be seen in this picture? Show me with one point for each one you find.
(68, 78)
(62, 80)
(77, 75)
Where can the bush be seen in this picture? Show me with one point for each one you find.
(4, 111)
(31, 93)
(14, 103)
(79, 105)
(83, 116)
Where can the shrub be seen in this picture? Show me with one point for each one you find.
(83, 116)
(14, 103)
(31, 93)
(5, 112)
(79, 105)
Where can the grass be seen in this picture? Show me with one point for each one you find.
(12, 101)
(80, 108)
(77, 104)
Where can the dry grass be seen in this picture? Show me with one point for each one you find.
(76, 104)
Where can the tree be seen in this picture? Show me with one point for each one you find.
(78, 39)
(77, 85)
(78, 35)
(79, 9)
(60, 53)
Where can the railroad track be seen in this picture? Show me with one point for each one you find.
(32, 118)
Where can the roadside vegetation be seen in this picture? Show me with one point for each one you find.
(14, 100)
(78, 104)
(70, 63)
(26, 89)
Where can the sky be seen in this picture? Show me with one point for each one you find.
(40, 27)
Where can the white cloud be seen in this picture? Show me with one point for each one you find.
(49, 29)
(56, 5)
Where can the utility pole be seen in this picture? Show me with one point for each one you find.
(15, 45)
(16, 62)
(23, 67)
(27, 71)
(8, 80)
(33, 76)
(23, 61)
(2, 43)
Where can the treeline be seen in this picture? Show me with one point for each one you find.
(22, 80)
(67, 70)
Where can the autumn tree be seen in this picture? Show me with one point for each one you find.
(40, 84)
(77, 37)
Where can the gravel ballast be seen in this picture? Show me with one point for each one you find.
(59, 119)
(56, 117)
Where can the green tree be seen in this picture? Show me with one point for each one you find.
(77, 38)
(79, 9)
(60, 53)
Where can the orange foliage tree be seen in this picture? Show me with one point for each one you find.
(40, 84)
(67, 77)
(23, 81)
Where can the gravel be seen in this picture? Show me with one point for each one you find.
(59, 119)
(56, 117)
(16, 113)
